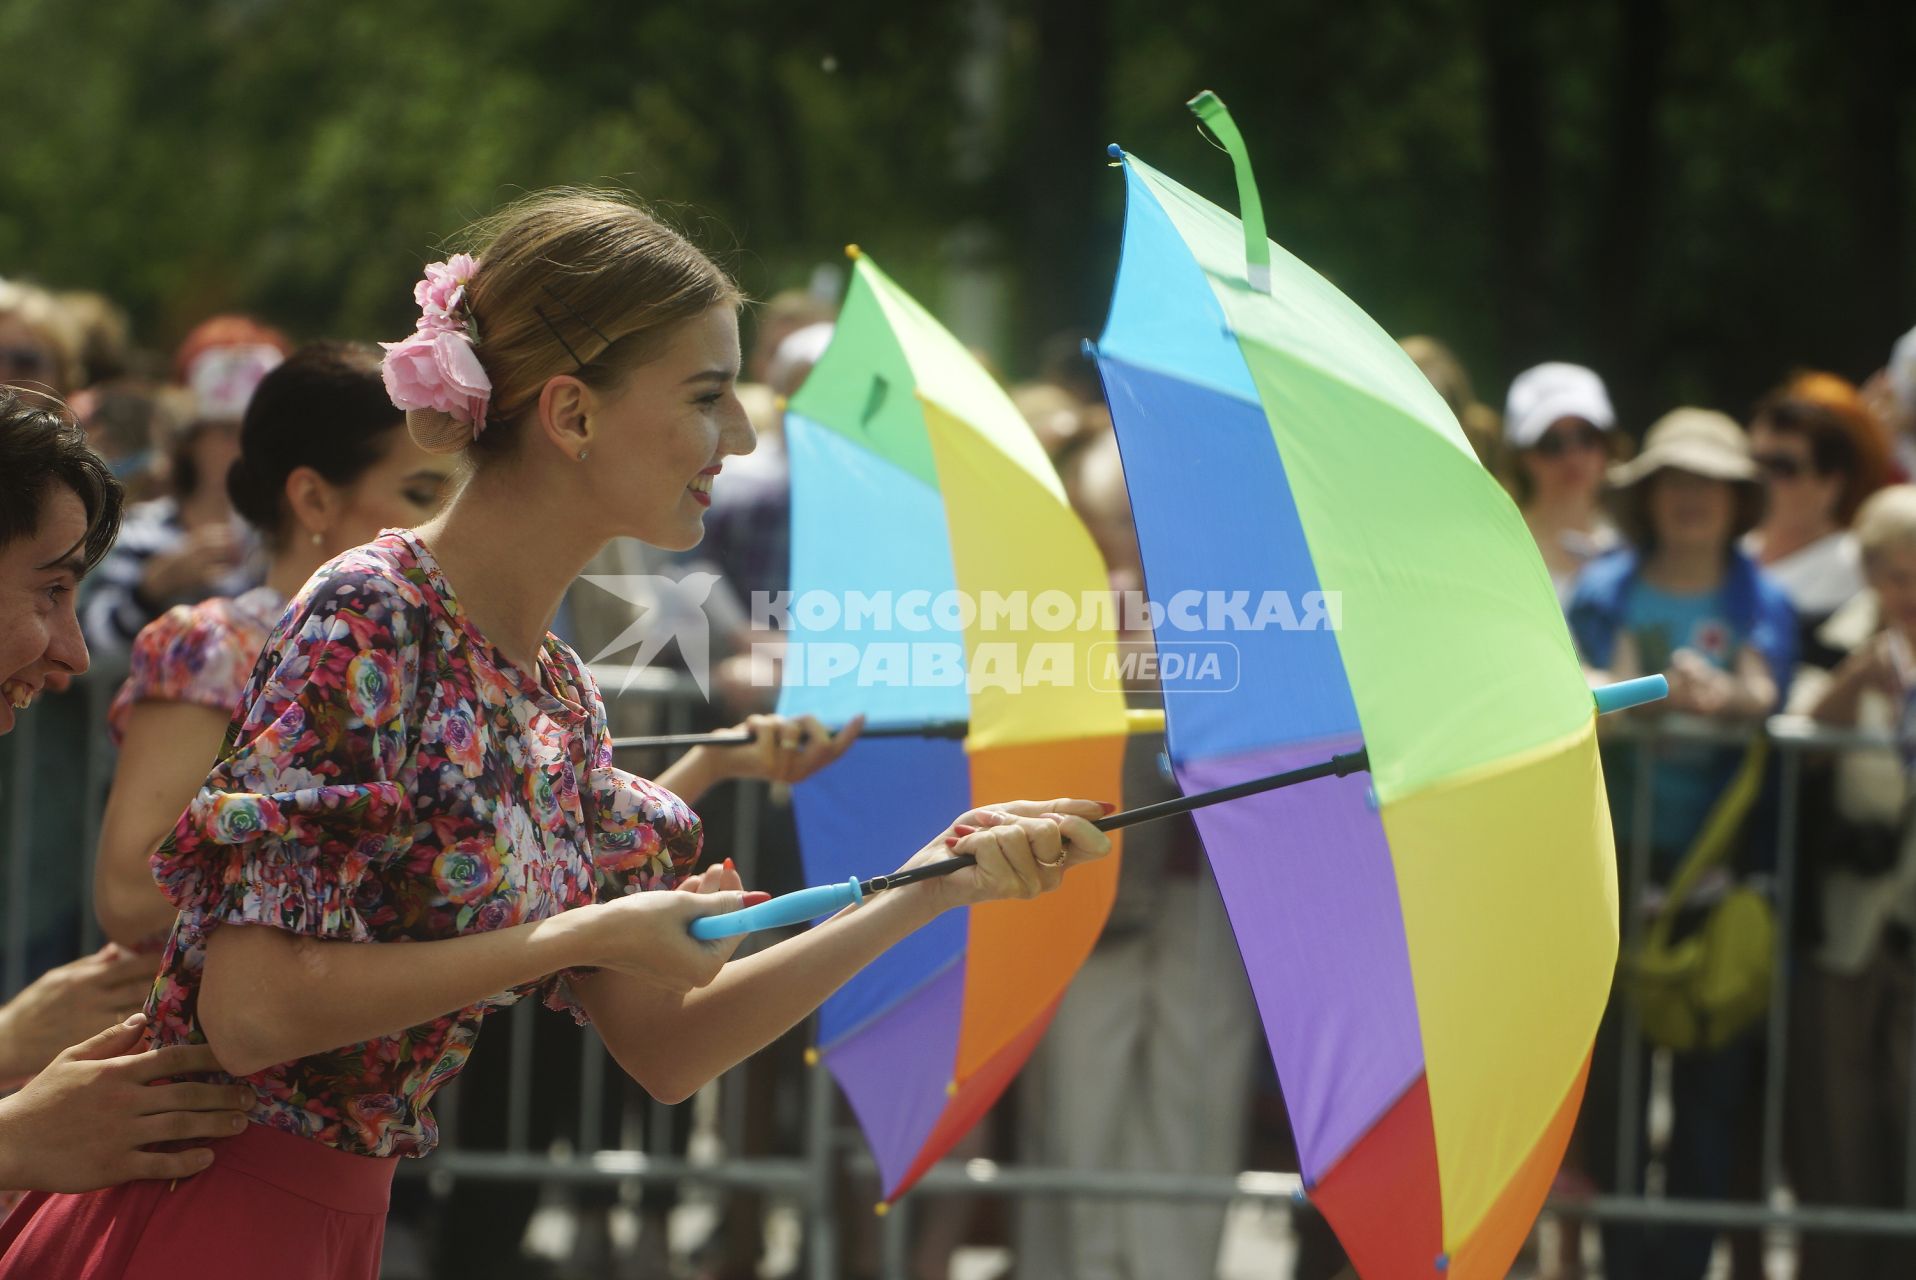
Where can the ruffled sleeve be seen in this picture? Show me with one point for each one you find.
(643, 836)
(201, 654)
(307, 796)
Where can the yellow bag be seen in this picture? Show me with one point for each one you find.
(1703, 991)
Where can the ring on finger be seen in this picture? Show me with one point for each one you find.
(1051, 866)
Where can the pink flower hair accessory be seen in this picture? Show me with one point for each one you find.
(442, 294)
(436, 367)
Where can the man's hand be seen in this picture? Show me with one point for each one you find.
(82, 1123)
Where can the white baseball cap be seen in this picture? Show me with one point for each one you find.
(1541, 395)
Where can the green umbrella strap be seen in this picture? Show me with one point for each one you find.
(1210, 108)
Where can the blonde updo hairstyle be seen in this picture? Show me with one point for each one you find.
(570, 281)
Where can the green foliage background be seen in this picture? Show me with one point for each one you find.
(1694, 197)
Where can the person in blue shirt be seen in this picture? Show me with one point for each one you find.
(1685, 601)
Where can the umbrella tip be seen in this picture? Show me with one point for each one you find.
(1088, 349)
(1115, 151)
(1630, 693)
(853, 252)
(811, 1055)
(882, 1208)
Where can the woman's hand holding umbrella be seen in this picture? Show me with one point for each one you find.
(785, 748)
(1022, 847)
(770, 748)
(646, 935)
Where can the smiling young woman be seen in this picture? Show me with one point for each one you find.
(86, 1113)
(420, 761)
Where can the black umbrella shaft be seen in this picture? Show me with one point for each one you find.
(738, 737)
(722, 738)
(1337, 766)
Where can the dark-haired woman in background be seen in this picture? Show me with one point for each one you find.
(324, 464)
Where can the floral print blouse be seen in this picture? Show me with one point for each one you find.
(392, 778)
(198, 653)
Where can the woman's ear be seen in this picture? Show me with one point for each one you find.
(564, 413)
(315, 503)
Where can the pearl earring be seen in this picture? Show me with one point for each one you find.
(582, 453)
(317, 540)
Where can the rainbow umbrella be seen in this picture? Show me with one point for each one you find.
(916, 487)
(1432, 950)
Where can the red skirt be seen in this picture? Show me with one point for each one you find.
(271, 1204)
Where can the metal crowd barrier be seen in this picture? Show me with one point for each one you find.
(829, 1150)
(1794, 738)
(23, 750)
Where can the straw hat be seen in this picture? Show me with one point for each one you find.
(1701, 441)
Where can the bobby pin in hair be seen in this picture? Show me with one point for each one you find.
(540, 312)
(572, 311)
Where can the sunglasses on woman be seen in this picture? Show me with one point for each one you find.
(1559, 441)
(25, 362)
(1781, 466)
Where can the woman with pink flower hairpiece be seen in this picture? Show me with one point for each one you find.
(420, 761)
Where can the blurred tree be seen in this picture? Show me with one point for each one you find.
(1694, 198)
(301, 157)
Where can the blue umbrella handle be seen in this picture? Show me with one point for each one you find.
(790, 908)
(1630, 693)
